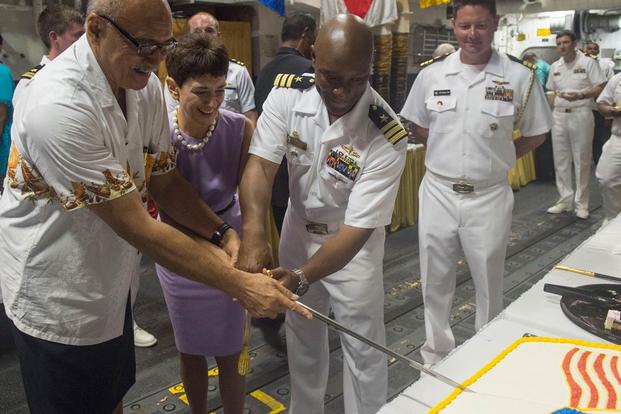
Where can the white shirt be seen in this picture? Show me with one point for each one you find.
(612, 96)
(238, 95)
(607, 67)
(576, 76)
(363, 194)
(25, 81)
(65, 273)
(471, 122)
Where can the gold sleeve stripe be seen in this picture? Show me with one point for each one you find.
(277, 80)
(396, 138)
(290, 80)
(388, 126)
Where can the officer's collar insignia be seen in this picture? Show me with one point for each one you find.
(284, 80)
(388, 126)
(526, 63)
(239, 62)
(30, 73)
(434, 60)
(293, 139)
(442, 92)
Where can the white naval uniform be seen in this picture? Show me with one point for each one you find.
(572, 132)
(295, 122)
(607, 67)
(27, 77)
(470, 116)
(238, 93)
(608, 170)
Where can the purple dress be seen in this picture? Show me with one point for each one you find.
(205, 320)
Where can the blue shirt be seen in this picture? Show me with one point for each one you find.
(7, 85)
(542, 71)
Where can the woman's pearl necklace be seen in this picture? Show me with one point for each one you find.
(191, 147)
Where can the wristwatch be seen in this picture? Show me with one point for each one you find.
(302, 282)
(216, 237)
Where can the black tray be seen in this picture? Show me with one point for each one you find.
(590, 316)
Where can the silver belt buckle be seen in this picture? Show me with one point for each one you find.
(463, 188)
(317, 228)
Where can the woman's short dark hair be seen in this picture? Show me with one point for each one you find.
(197, 55)
(489, 4)
(569, 33)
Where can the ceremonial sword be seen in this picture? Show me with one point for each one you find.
(586, 272)
(385, 350)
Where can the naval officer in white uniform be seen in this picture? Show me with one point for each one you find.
(345, 150)
(465, 107)
(574, 80)
(608, 170)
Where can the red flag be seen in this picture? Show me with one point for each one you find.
(358, 7)
(373, 12)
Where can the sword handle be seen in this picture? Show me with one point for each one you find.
(574, 270)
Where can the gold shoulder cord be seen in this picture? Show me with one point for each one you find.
(516, 131)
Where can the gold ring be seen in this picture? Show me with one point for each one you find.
(268, 273)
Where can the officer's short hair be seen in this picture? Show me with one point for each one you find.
(57, 18)
(569, 33)
(197, 55)
(295, 25)
(489, 4)
(529, 55)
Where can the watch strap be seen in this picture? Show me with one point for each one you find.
(218, 235)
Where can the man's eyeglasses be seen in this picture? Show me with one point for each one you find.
(143, 48)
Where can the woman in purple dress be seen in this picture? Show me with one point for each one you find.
(212, 147)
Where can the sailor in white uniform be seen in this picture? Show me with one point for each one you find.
(608, 171)
(477, 111)
(346, 151)
(574, 80)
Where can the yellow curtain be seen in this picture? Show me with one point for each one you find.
(428, 3)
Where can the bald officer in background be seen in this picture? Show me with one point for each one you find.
(465, 108)
(344, 175)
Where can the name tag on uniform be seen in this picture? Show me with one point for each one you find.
(498, 93)
(317, 228)
(442, 92)
(556, 74)
(294, 139)
(580, 70)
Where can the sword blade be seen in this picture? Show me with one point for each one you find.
(385, 350)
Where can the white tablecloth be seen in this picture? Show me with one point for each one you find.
(535, 312)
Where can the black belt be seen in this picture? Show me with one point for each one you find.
(228, 207)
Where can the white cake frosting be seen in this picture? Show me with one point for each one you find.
(542, 375)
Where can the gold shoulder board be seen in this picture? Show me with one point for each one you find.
(388, 126)
(286, 80)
